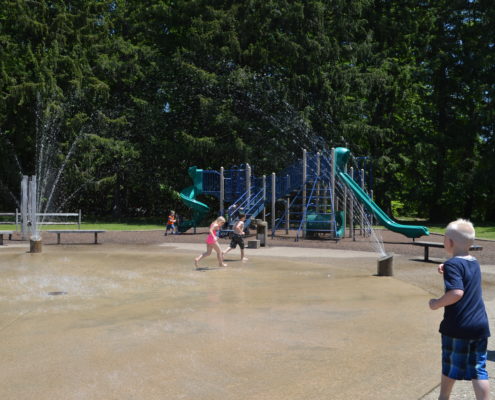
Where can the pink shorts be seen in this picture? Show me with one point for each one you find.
(211, 239)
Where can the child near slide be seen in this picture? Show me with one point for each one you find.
(212, 243)
(464, 327)
(171, 223)
(237, 236)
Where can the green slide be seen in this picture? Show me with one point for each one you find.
(188, 196)
(410, 231)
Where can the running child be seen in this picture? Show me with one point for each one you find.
(212, 243)
(237, 236)
(464, 327)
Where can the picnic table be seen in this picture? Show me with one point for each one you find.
(427, 246)
(59, 232)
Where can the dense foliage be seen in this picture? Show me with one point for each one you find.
(137, 91)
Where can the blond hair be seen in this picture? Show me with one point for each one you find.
(220, 219)
(461, 232)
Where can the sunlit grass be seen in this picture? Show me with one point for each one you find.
(109, 226)
(482, 231)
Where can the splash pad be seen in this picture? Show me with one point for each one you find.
(140, 322)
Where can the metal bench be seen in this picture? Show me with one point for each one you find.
(427, 246)
(59, 232)
(5, 233)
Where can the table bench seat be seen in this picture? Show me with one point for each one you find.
(5, 233)
(59, 232)
(427, 246)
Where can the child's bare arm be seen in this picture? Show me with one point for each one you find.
(449, 298)
(440, 269)
(213, 231)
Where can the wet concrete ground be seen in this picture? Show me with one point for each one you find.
(139, 322)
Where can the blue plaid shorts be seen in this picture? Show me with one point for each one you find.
(464, 359)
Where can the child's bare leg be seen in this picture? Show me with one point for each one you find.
(205, 254)
(481, 389)
(242, 255)
(446, 386)
(219, 255)
(227, 250)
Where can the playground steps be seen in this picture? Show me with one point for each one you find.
(310, 210)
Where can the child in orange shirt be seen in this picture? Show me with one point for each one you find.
(171, 223)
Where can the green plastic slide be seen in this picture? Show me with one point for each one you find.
(410, 231)
(188, 197)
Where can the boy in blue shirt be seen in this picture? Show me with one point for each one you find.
(464, 327)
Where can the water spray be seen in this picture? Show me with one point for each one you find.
(29, 213)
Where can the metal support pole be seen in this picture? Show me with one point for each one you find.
(264, 198)
(287, 215)
(274, 198)
(332, 182)
(351, 208)
(318, 173)
(304, 178)
(333, 200)
(248, 186)
(325, 199)
(222, 191)
(362, 206)
(345, 201)
(79, 220)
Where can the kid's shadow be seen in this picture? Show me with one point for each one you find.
(203, 269)
(491, 355)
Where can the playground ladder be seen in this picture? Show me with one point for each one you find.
(317, 207)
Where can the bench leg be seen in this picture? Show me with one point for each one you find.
(1, 240)
(96, 237)
(427, 253)
(58, 238)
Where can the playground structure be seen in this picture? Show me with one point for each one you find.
(316, 195)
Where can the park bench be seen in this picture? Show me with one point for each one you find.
(59, 232)
(5, 233)
(427, 246)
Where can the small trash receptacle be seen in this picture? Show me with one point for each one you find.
(261, 228)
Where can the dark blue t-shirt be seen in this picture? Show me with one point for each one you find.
(467, 318)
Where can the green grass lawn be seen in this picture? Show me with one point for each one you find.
(482, 231)
(109, 226)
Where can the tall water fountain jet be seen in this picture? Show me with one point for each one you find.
(35, 239)
(385, 261)
(54, 149)
(29, 213)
